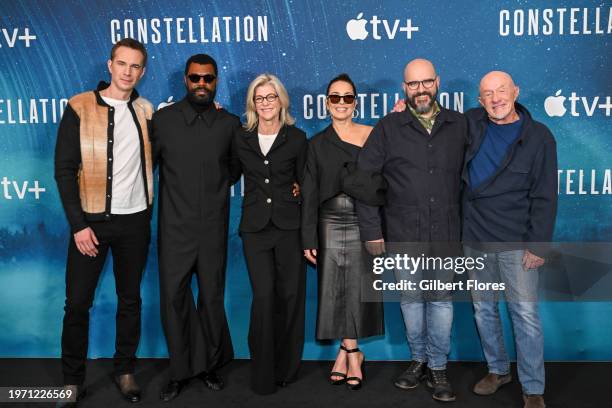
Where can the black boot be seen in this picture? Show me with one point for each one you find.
(128, 387)
(442, 390)
(412, 376)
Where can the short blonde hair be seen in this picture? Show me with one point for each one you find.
(252, 119)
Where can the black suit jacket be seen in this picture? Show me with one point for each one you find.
(268, 180)
(193, 153)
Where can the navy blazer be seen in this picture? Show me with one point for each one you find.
(518, 203)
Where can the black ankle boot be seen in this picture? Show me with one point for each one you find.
(412, 377)
(442, 390)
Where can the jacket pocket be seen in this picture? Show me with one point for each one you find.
(517, 176)
(402, 223)
(518, 168)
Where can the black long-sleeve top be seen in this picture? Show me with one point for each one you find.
(330, 170)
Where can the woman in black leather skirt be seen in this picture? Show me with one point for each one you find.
(330, 234)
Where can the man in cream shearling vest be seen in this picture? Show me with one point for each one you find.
(103, 170)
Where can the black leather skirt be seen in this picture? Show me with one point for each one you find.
(348, 306)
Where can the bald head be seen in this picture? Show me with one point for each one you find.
(419, 69)
(421, 86)
(495, 79)
(498, 93)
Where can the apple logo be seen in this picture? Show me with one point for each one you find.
(355, 28)
(167, 103)
(553, 105)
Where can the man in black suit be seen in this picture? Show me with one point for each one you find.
(420, 154)
(192, 145)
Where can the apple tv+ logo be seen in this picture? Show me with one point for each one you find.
(168, 102)
(357, 28)
(554, 105)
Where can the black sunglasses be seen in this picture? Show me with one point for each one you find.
(195, 78)
(348, 99)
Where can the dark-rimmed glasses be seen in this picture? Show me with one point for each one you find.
(269, 97)
(427, 83)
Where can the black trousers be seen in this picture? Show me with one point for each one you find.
(196, 330)
(276, 332)
(128, 237)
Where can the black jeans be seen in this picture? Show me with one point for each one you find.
(128, 237)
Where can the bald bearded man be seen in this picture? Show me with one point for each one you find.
(420, 154)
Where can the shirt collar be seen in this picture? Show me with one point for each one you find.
(426, 122)
(191, 115)
(436, 111)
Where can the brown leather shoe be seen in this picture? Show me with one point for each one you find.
(490, 383)
(534, 401)
(128, 387)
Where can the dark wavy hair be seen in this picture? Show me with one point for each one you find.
(344, 78)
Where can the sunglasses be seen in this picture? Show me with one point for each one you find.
(195, 78)
(348, 99)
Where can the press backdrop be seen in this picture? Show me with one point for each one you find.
(558, 53)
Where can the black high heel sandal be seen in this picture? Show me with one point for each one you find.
(357, 385)
(342, 380)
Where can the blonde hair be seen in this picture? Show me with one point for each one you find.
(252, 119)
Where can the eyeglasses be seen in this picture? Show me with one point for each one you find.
(195, 78)
(427, 83)
(348, 99)
(269, 97)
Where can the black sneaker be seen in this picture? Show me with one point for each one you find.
(412, 376)
(442, 390)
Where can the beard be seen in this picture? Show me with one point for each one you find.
(201, 100)
(422, 107)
